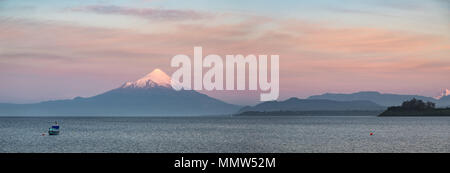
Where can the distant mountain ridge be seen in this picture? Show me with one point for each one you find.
(150, 95)
(381, 99)
(295, 104)
(153, 95)
(444, 101)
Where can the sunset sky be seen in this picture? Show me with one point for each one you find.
(54, 49)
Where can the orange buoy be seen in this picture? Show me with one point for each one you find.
(371, 134)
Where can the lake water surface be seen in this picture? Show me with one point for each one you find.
(228, 134)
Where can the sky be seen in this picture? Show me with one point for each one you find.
(57, 49)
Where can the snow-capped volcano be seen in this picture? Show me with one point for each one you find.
(156, 78)
(444, 93)
(151, 95)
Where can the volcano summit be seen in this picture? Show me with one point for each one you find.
(150, 95)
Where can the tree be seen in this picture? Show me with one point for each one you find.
(415, 104)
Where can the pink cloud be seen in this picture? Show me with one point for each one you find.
(146, 13)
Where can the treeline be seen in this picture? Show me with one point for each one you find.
(414, 104)
(416, 107)
(310, 113)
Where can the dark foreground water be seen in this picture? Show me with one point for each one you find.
(228, 134)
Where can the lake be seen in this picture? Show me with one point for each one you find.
(266, 134)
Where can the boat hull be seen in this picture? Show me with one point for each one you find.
(53, 133)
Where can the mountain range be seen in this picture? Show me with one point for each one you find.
(296, 104)
(150, 95)
(384, 99)
(154, 95)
